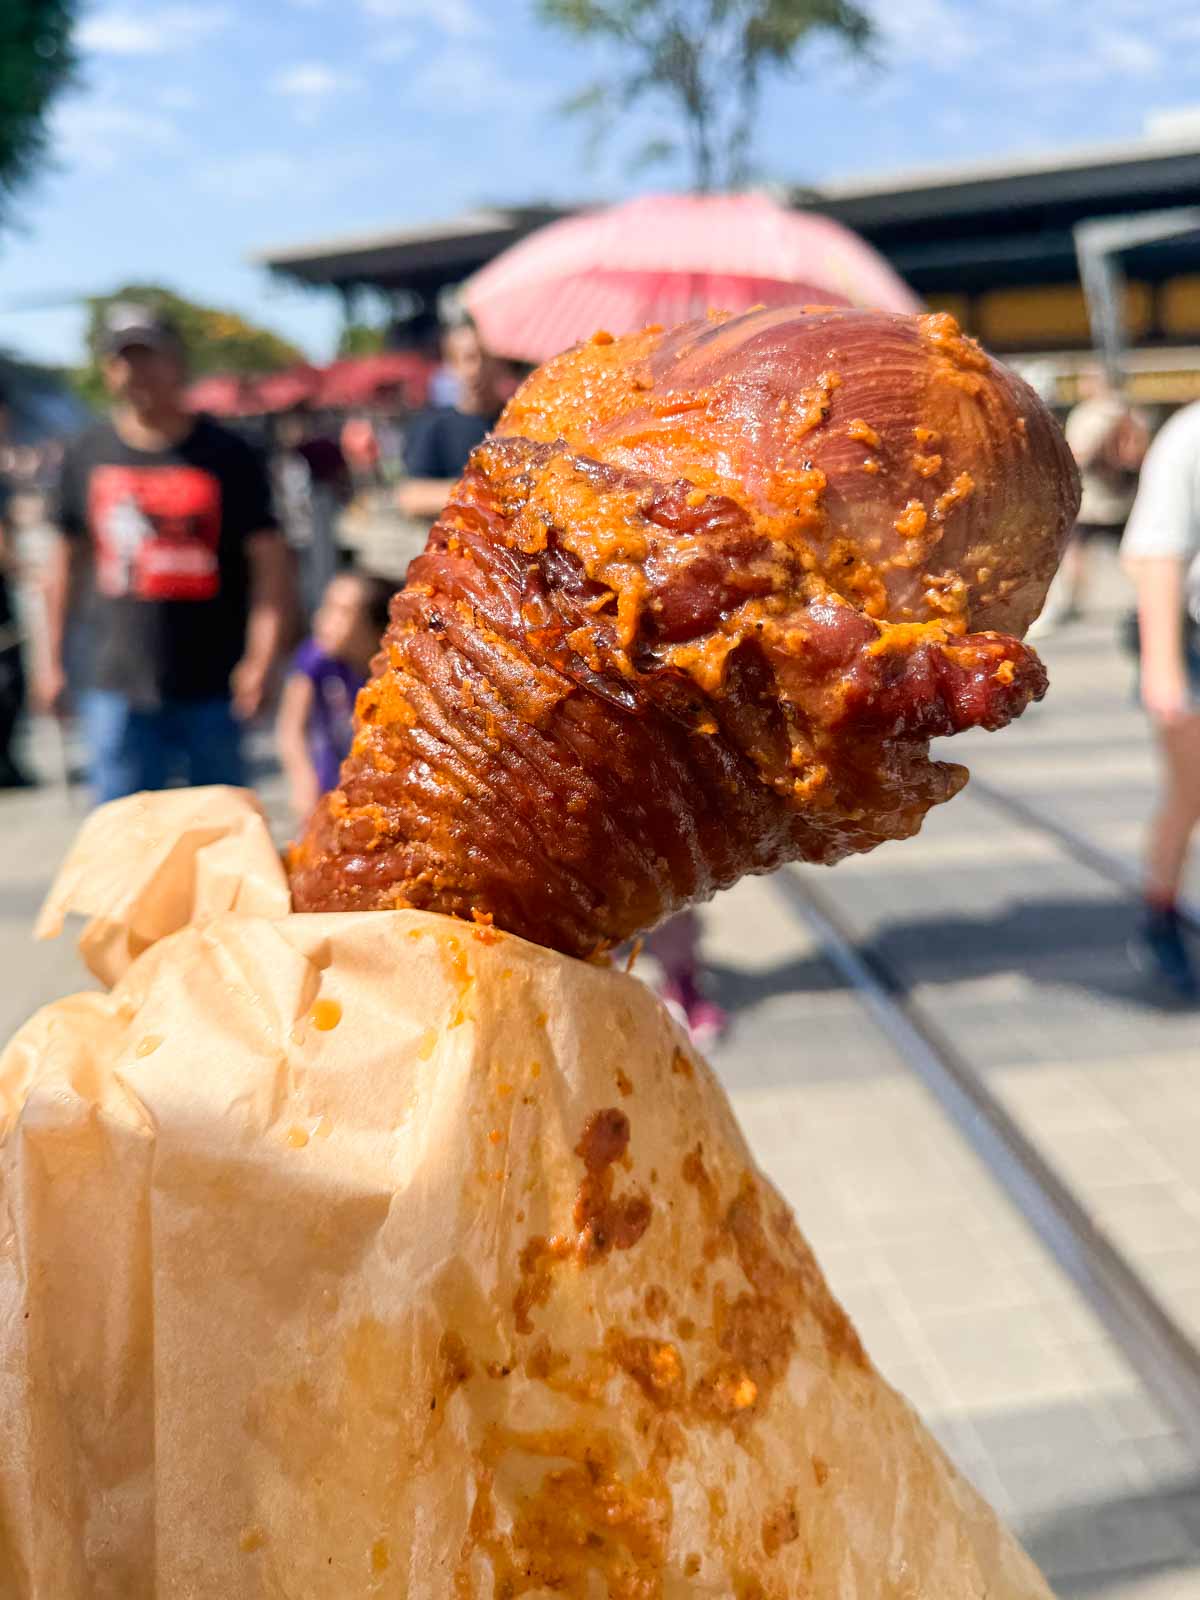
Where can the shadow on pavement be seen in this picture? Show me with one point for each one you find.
(739, 988)
(1092, 1551)
(21, 902)
(1081, 943)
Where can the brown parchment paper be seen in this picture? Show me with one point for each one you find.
(380, 1254)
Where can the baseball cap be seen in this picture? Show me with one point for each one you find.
(126, 323)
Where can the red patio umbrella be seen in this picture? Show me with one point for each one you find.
(222, 394)
(665, 258)
(280, 391)
(357, 380)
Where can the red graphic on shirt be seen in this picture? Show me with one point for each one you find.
(157, 532)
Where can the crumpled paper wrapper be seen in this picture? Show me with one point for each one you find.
(380, 1254)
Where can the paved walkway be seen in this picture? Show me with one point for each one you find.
(1019, 952)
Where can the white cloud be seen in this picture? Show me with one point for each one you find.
(935, 32)
(128, 32)
(458, 18)
(1119, 50)
(311, 80)
(176, 97)
(1069, 44)
(1100, 55)
(310, 86)
(253, 175)
(118, 35)
(263, 175)
(101, 134)
(468, 81)
(393, 47)
(1174, 123)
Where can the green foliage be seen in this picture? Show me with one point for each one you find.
(87, 384)
(361, 339)
(705, 59)
(36, 61)
(215, 340)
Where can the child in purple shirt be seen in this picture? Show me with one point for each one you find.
(316, 712)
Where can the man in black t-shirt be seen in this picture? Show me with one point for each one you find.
(189, 592)
(440, 441)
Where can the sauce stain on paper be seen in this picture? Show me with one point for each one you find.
(325, 1015)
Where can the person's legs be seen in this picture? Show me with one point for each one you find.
(1073, 572)
(1173, 824)
(12, 699)
(127, 751)
(675, 945)
(211, 740)
(1171, 830)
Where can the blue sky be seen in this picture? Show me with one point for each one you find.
(206, 129)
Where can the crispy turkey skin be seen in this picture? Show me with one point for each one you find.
(696, 610)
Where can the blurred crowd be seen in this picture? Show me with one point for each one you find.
(183, 578)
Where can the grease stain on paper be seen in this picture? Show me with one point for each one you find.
(325, 1015)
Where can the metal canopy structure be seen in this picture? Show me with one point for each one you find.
(412, 265)
(1100, 247)
(992, 224)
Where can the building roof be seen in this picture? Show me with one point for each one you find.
(393, 257)
(961, 229)
(976, 226)
(1060, 167)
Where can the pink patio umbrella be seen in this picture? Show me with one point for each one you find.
(293, 386)
(223, 394)
(358, 380)
(665, 258)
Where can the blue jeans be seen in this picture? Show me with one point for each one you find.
(129, 750)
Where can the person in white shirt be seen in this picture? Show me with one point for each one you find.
(1108, 440)
(1161, 551)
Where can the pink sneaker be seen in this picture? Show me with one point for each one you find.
(703, 1018)
(706, 1022)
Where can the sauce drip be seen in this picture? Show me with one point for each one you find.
(325, 1015)
(602, 1221)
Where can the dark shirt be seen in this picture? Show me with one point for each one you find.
(440, 441)
(167, 532)
(7, 615)
(326, 463)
